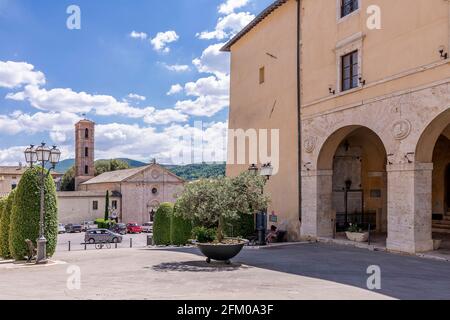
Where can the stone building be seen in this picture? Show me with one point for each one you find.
(135, 194)
(371, 107)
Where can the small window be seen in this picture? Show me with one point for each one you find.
(154, 191)
(262, 75)
(86, 169)
(348, 6)
(349, 72)
(95, 205)
(86, 133)
(86, 152)
(13, 186)
(114, 204)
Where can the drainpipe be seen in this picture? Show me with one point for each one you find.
(299, 126)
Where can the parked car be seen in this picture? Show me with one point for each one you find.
(102, 236)
(87, 225)
(73, 228)
(61, 228)
(120, 228)
(134, 228)
(147, 227)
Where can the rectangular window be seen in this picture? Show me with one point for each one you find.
(349, 72)
(348, 6)
(86, 169)
(86, 152)
(262, 76)
(114, 204)
(95, 205)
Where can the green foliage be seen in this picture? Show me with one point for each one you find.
(104, 223)
(180, 229)
(198, 171)
(6, 205)
(243, 226)
(161, 224)
(26, 211)
(102, 166)
(107, 205)
(204, 235)
(68, 180)
(213, 202)
(2, 206)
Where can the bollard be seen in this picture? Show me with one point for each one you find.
(85, 246)
(69, 245)
(116, 245)
(131, 242)
(369, 235)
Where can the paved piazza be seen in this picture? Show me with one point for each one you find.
(303, 271)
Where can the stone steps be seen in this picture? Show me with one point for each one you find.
(441, 222)
(438, 230)
(442, 226)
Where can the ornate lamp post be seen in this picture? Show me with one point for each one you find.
(261, 217)
(42, 155)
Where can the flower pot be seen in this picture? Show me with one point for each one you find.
(357, 236)
(220, 251)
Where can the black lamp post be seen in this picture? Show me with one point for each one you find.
(42, 155)
(261, 217)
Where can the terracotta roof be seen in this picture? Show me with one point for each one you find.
(254, 23)
(115, 176)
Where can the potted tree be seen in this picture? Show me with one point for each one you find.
(210, 203)
(355, 233)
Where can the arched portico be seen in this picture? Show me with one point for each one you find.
(349, 185)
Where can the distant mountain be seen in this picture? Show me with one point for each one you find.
(65, 165)
(187, 172)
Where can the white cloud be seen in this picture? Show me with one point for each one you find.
(230, 5)
(138, 35)
(215, 86)
(174, 89)
(213, 60)
(176, 67)
(203, 106)
(17, 74)
(228, 26)
(12, 156)
(135, 96)
(162, 39)
(67, 100)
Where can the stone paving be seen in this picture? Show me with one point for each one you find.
(303, 271)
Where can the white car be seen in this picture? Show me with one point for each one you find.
(147, 227)
(88, 225)
(61, 228)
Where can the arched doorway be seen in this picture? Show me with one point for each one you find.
(434, 148)
(351, 182)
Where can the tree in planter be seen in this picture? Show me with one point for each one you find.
(212, 202)
(7, 204)
(26, 210)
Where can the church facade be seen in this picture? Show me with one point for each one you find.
(363, 114)
(134, 194)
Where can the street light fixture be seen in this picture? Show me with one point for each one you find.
(261, 217)
(42, 155)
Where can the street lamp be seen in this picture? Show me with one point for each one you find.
(43, 155)
(261, 217)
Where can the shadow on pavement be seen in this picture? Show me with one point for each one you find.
(197, 266)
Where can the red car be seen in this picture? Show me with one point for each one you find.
(134, 228)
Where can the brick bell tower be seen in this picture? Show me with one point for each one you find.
(84, 152)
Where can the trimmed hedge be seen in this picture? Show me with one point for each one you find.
(6, 204)
(26, 210)
(180, 230)
(161, 225)
(104, 224)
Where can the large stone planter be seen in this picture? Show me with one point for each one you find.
(220, 252)
(357, 236)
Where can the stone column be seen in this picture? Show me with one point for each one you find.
(317, 212)
(409, 207)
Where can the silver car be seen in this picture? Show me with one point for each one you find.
(102, 236)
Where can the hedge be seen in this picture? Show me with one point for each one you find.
(104, 224)
(6, 204)
(161, 224)
(180, 230)
(243, 227)
(26, 212)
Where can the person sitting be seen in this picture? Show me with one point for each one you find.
(272, 236)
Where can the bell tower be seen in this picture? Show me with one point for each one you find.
(84, 152)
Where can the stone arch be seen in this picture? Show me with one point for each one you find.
(430, 135)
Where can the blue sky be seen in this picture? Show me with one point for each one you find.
(145, 71)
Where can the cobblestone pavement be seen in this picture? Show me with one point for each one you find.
(303, 271)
